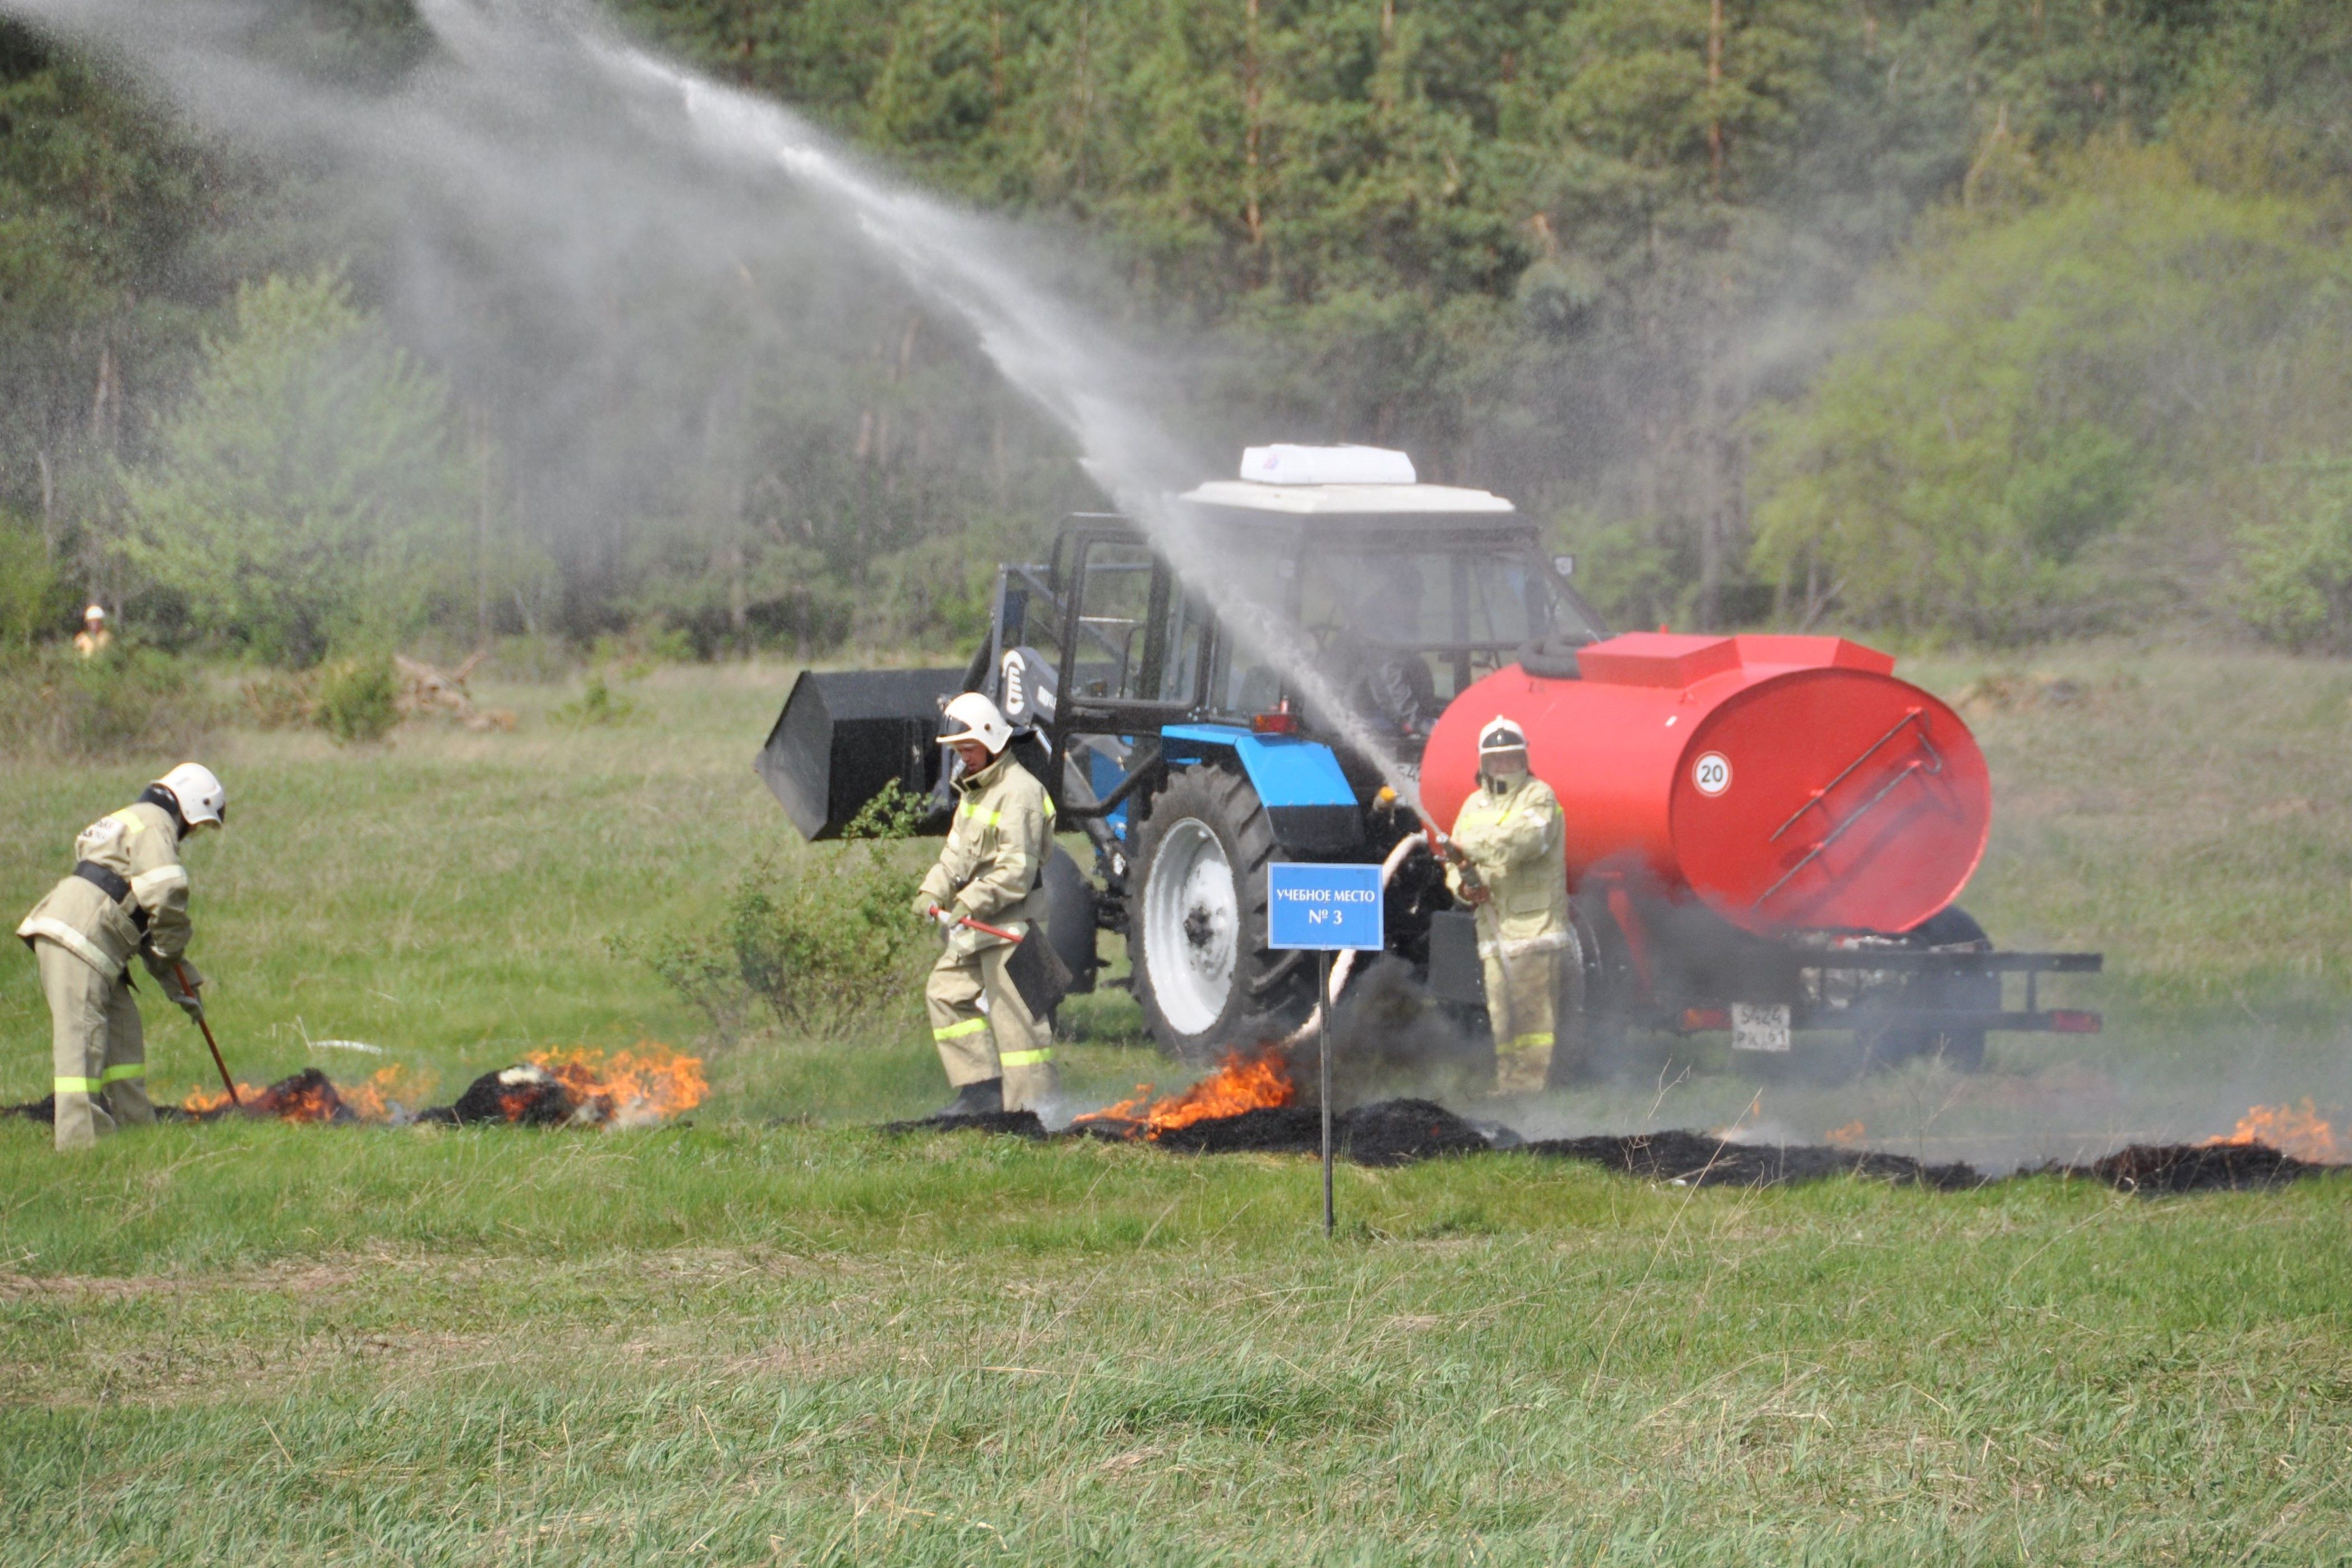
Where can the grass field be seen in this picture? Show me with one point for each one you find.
(775, 1335)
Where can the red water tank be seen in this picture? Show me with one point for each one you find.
(1790, 783)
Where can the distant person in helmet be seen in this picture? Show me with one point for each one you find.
(93, 638)
(999, 1057)
(1509, 861)
(127, 894)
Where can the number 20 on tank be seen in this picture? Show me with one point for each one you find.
(1711, 775)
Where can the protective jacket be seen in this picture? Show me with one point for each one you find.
(127, 894)
(1512, 831)
(991, 871)
(995, 852)
(1515, 836)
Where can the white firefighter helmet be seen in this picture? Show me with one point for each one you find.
(1501, 735)
(94, 613)
(198, 790)
(972, 716)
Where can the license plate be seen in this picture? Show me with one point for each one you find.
(1756, 1027)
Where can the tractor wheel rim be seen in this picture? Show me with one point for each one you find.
(1193, 923)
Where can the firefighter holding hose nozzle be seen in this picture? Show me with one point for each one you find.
(127, 894)
(985, 893)
(1506, 859)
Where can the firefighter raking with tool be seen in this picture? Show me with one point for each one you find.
(127, 894)
(989, 992)
(1507, 861)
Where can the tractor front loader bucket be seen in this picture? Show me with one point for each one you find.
(843, 734)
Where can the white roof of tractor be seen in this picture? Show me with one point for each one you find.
(1304, 481)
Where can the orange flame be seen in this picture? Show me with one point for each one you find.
(2293, 1129)
(626, 1088)
(204, 1102)
(305, 1097)
(1242, 1083)
(1847, 1136)
(588, 1088)
(390, 1092)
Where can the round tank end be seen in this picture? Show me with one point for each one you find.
(1830, 799)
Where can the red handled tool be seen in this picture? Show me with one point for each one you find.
(986, 929)
(226, 1082)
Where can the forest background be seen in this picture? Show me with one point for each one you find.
(1981, 320)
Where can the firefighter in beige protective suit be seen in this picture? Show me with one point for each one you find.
(1507, 861)
(998, 1055)
(127, 894)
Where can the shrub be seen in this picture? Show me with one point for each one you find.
(123, 703)
(2297, 570)
(27, 582)
(357, 699)
(280, 700)
(642, 649)
(823, 951)
(596, 705)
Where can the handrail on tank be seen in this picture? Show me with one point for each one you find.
(1914, 766)
(1912, 716)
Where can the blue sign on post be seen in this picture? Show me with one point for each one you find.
(1328, 908)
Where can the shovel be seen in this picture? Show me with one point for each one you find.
(1036, 971)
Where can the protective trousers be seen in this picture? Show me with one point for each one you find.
(983, 1029)
(1522, 1000)
(97, 1050)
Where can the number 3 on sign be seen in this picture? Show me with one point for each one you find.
(1711, 775)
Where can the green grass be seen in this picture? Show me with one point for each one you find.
(741, 1340)
(274, 1344)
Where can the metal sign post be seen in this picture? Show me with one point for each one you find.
(1324, 910)
(1323, 1049)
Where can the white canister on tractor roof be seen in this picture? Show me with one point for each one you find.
(1281, 465)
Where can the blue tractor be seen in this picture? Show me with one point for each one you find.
(1186, 759)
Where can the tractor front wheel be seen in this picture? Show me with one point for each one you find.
(1197, 921)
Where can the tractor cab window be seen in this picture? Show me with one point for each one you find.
(1139, 636)
(1187, 621)
(1256, 611)
(1405, 631)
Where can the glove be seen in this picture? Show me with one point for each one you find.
(946, 918)
(185, 999)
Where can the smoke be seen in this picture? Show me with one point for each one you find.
(1072, 368)
(664, 348)
(571, 225)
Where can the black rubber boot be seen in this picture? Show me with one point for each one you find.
(985, 1098)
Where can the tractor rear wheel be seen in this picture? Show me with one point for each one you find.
(1197, 921)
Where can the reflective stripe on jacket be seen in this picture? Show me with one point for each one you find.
(1517, 838)
(139, 843)
(995, 851)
